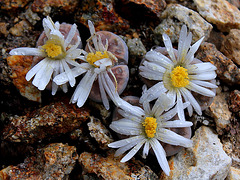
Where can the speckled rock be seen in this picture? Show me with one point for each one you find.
(68, 6)
(32, 17)
(111, 168)
(235, 3)
(4, 173)
(103, 15)
(20, 65)
(205, 160)
(234, 174)
(3, 29)
(227, 71)
(54, 161)
(235, 101)
(231, 46)
(20, 28)
(99, 132)
(51, 120)
(13, 4)
(219, 110)
(174, 17)
(219, 12)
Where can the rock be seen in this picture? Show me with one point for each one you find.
(235, 3)
(111, 168)
(13, 4)
(20, 65)
(103, 15)
(68, 6)
(219, 12)
(32, 17)
(4, 173)
(205, 160)
(174, 17)
(51, 120)
(227, 71)
(234, 174)
(231, 46)
(20, 28)
(216, 37)
(220, 112)
(235, 101)
(3, 29)
(54, 161)
(99, 132)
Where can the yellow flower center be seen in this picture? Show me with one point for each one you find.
(179, 77)
(92, 58)
(150, 125)
(52, 49)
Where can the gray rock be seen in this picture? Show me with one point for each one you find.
(174, 17)
(205, 160)
(234, 174)
(219, 12)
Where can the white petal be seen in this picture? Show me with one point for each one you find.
(201, 90)
(27, 51)
(83, 89)
(168, 45)
(181, 42)
(93, 35)
(201, 68)
(172, 95)
(170, 137)
(161, 155)
(158, 58)
(126, 128)
(68, 71)
(45, 77)
(204, 83)
(145, 149)
(149, 74)
(176, 124)
(55, 73)
(103, 93)
(186, 45)
(203, 76)
(129, 146)
(35, 69)
(153, 92)
(162, 104)
(131, 115)
(180, 108)
(134, 150)
(192, 100)
(154, 67)
(70, 35)
(75, 46)
(124, 142)
(192, 50)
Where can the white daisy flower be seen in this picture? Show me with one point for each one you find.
(96, 64)
(57, 53)
(147, 127)
(179, 73)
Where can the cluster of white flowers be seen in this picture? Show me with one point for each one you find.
(177, 71)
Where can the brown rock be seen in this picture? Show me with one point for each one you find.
(235, 101)
(20, 65)
(67, 5)
(234, 174)
(51, 120)
(99, 132)
(219, 12)
(231, 46)
(3, 29)
(220, 112)
(20, 28)
(227, 71)
(13, 4)
(54, 161)
(103, 15)
(111, 168)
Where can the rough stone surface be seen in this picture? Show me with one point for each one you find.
(51, 120)
(219, 12)
(231, 46)
(3, 29)
(103, 15)
(20, 28)
(174, 17)
(219, 110)
(234, 174)
(112, 169)
(235, 101)
(227, 71)
(20, 65)
(99, 132)
(205, 160)
(13, 4)
(41, 5)
(54, 161)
